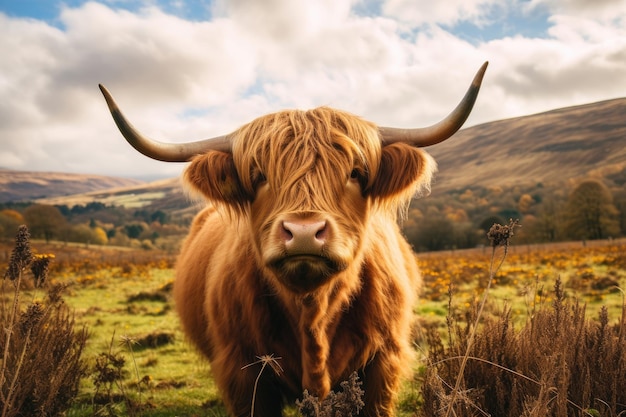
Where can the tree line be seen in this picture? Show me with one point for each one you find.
(456, 220)
(588, 211)
(94, 223)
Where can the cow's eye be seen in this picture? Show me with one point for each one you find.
(357, 176)
(258, 178)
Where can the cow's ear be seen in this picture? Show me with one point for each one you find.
(404, 170)
(213, 174)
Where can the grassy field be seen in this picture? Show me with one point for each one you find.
(591, 272)
(123, 297)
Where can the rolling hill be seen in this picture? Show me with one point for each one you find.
(553, 148)
(165, 194)
(18, 186)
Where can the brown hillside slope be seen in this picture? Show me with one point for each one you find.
(553, 147)
(28, 186)
(164, 194)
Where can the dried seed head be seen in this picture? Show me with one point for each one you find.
(272, 362)
(500, 235)
(266, 360)
(31, 317)
(40, 269)
(346, 403)
(21, 255)
(55, 292)
(128, 341)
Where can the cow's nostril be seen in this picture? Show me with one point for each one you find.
(321, 233)
(286, 233)
(304, 236)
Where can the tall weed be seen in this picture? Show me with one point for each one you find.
(558, 364)
(41, 349)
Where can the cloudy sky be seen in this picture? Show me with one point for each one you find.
(186, 70)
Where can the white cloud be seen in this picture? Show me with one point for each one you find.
(284, 20)
(184, 80)
(145, 59)
(582, 62)
(604, 10)
(200, 62)
(447, 12)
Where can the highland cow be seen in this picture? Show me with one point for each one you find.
(299, 254)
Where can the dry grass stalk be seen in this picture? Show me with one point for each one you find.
(41, 365)
(346, 403)
(264, 360)
(500, 236)
(21, 256)
(128, 342)
(559, 364)
(111, 398)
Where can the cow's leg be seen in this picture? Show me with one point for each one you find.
(241, 388)
(268, 402)
(381, 382)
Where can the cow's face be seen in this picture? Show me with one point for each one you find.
(307, 183)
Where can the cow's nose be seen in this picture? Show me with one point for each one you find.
(304, 237)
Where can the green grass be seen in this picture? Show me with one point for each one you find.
(526, 278)
(127, 299)
(178, 380)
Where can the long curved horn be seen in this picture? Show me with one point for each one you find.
(168, 152)
(441, 131)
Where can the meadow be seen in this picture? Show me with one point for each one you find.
(593, 272)
(138, 362)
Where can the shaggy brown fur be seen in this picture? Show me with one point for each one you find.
(240, 296)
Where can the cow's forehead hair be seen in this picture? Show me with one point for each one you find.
(292, 143)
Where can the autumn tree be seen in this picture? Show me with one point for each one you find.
(134, 230)
(44, 221)
(486, 224)
(434, 234)
(547, 223)
(590, 212)
(84, 234)
(10, 220)
(525, 203)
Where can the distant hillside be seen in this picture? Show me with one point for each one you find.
(551, 148)
(162, 195)
(28, 186)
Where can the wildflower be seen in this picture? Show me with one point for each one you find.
(21, 255)
(500, 235)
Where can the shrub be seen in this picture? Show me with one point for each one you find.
(41, 363)
(559, 364)
(346, 403)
